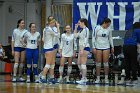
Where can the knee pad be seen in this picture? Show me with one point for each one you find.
(47, 66)
(21, 65)
(34, 65)
(61, 68)
(106, 64)
(16, 65)
(83, 66)
(98, 64)
(52, 66)
(69, 69)
(28, 65)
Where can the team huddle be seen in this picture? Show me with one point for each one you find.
(25, 44)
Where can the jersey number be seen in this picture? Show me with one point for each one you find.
(103, 35)
(67, 42)
(32, 41)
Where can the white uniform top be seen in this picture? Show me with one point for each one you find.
(83, 38)
(102, 38)
(32, 40)
(49, 35)
(56, 39)
(68, 44)
(1, 52)
(17, 36)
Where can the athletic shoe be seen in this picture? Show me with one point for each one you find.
(37, 81)
(60, 80)
(42, 80)
(14, 79)
(28, 81)
(97, 81)
(82, 82)
(21, 79)
(52, 81)
(106, 81)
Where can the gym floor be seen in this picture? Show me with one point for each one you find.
(6, 86)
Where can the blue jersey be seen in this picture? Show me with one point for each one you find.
(137, 34)
(130, 37)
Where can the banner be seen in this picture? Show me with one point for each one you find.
(123, 13)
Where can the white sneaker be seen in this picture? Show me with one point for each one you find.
(106, 81)
(37, 81)
(60, 80)
(67, 80)
(21, 79)
(82, 82)
(14, 79)
(121, 82)
(97, 81)
(28, 81)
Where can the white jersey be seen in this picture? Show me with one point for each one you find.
(83, 38)
(32, 40)
(102, 38)
(56, 39)
(1, 52)
(68, 44)
(48, 36)
(17, 37)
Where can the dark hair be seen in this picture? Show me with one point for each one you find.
(67, 25)
(84, 20)
(106, 20)
(31, 25)
(129, 33)
(49, 17)
(19, 21)
(136, 25)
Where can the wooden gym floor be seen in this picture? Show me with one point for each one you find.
(6, 86)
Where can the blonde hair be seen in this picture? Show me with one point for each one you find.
(51, 21)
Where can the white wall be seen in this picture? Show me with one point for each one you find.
(13, 10)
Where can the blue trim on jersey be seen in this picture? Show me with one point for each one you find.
(56, 46)
(94, 31)
(19, 49)
(47, 50)
(87, 49)
(53, 30)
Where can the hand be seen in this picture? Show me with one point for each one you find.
(94, 51)
(13, 53)
(76, 26)
(112, 50)
(57, 24)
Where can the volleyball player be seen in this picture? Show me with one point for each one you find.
(48, 39)
(101, 42)
(18, 50)
(32, 39)
(67, 50)
(84, 47)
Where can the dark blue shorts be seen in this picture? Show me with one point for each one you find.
(32, 55)
(55, 46)
(19, 49)
(47, 50)
(87, 49)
